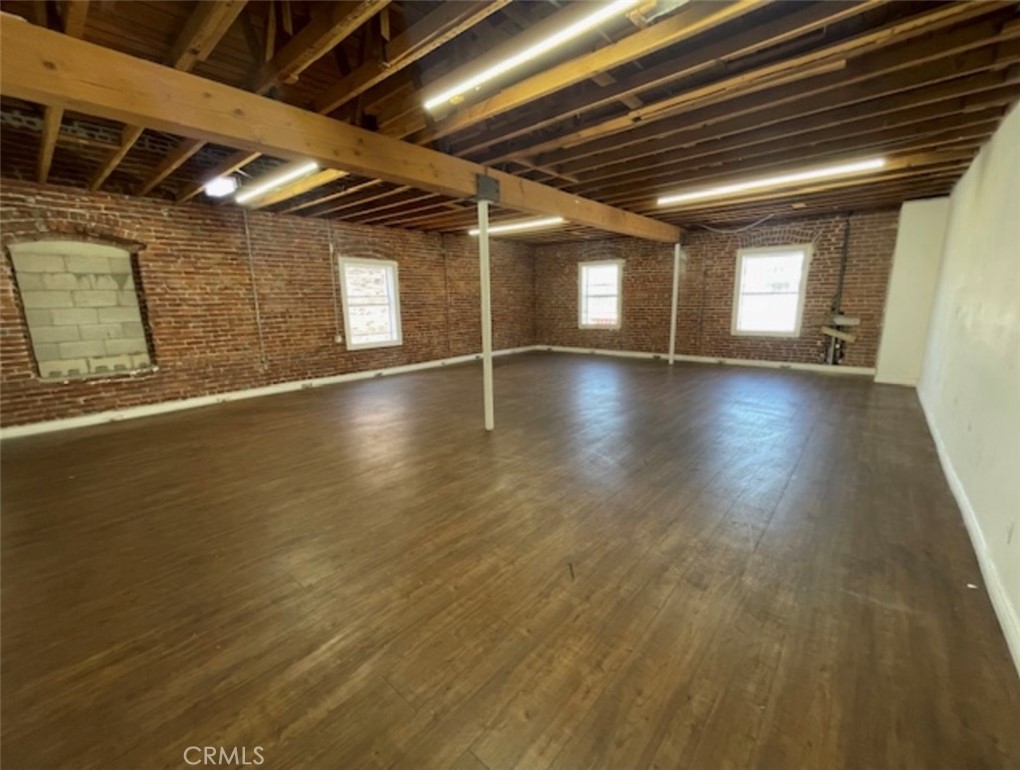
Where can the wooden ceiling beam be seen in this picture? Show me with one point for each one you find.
(934, 172)
(442, 25)
(690, 21)
(711, 58)
(331, 23)
(51, 69)
(206, 26)
(817, 70)
(700, 175)
(912, 123)
(323, 199)
(297, 188)
(968, 92)
(916, 65)
(203, 31)
(176, 158)
(74, 16)
(908, 163)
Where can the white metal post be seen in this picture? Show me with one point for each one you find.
(672, 314)
(483, 259)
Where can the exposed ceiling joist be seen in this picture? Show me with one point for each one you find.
(331, 23)
(74, 15)
(204, 29)
(46, 67)
(803, 21)
(827, 65)
(442, 25)
(689, 22)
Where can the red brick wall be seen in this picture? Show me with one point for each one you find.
(706, 290)
(198, 296)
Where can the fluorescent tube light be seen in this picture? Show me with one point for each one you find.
(524, 224)
(220, 187)
(558, 38)
(255, 191)
(761, 183)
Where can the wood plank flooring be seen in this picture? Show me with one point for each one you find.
(643, 567)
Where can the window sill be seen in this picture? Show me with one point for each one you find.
(773, 335)
(371, 345)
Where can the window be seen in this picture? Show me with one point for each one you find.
(599, 294)
(769, 292)
(82, 309)
(371, 299)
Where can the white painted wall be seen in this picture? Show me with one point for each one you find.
(915, 273)
(970, 383)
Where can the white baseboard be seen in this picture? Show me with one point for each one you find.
(147, 410)
(601, 352)
(163, 407)
(823, 368)
(1005, 611)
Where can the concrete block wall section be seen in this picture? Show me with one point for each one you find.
(81, 307)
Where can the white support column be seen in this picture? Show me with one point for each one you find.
(672, 314)
(483, 259)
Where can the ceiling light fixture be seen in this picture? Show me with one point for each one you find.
(220, 187)
(824, 172)
(579, 27)
(524, 224)
(279, 180)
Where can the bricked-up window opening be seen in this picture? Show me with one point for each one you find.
(370, 291)
(599, 294)
(81, 307)
(769, 292)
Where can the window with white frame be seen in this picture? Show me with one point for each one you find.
(371, 298)
(599, 290)
(769, 289)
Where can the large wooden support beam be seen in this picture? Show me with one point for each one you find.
(45, 67)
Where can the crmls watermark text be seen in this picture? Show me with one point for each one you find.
(221, 755)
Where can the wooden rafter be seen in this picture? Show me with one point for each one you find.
(440, 26)
(686, 24)
(73, 18)
(331, 23)
(827, 66)
(45, 67)
(204, 29)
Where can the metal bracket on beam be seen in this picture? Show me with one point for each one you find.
(486, 188)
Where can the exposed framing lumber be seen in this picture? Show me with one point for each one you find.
(129, 136)
(799, 68)
(298, 188)
(46, 67)
(324, 199)
(703, 59)
(202, 32)
(689, 22)
(898, 70)
(74, 15)
(173, 161)
(442, 25)
(791, 137)
(330, 25)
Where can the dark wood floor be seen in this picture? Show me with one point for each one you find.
(641, 568)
